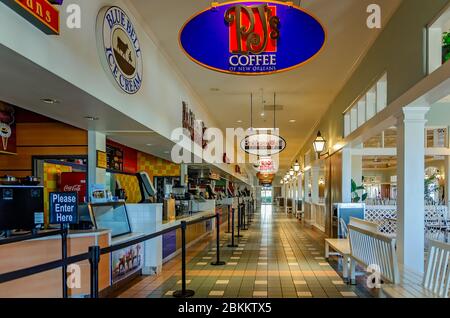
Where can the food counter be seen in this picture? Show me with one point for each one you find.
(115, 268)
(43, 250)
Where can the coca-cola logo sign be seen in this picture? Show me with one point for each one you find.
(72, 188)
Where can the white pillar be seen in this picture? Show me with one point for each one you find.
(357, 167)
(184, 176)
(300, 188)
(447, 180)
(315, 175)
(346, 175)
(410, 171)
(306, 193)
(96, 141)
(447, 174)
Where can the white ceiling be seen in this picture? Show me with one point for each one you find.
(305, 93)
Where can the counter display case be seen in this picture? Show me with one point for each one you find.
(112, 216)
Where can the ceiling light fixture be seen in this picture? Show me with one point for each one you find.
(50, 101)
(292, 121)
(92, 118)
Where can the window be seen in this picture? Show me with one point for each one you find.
(438, 36)
(371, 102)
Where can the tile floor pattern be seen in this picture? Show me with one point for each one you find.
(277, 258)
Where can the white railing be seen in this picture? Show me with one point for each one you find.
(385, 216)
(315, 215)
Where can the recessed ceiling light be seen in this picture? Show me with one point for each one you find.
(292, 121)
(166, 152)
(239, 121)
(50, 101)
(149, 145)
(91, 118)
(263, 114)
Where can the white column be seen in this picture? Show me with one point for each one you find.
(357, 167)
(315, 175)
(286, 191)
(447, 174)
(96, 141)
(306, 193)
(184, 176)
(447, 181)
(346, 175)
(300, 188)
(410, 171)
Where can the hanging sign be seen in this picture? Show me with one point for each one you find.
(41, 13)
(252, 37)
(263, 144)
(266, 165)
(63, 208)
(7, 129)
(120, 49)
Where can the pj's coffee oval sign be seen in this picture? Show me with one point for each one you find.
(252, 37)
(263, 144)
(120, 49)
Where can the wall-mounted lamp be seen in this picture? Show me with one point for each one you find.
(296, 166)
(319, 145)
(291, 172)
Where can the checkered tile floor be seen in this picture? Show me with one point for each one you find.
(277, 257)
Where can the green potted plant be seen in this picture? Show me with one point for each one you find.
(355, 195)
(445, 47)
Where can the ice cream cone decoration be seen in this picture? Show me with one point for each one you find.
(5, 133)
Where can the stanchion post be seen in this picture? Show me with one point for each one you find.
(239, 220)
(64, 234)
(233, 210)
(183, 293)
(218, 262)
(229, 223)
(244, 217)
(94, 261)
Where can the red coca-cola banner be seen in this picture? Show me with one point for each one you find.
(74, 182)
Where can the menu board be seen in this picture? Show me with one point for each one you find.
(114, 158)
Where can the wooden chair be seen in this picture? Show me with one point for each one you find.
(437, 276)
(342, 246)
(369, 247)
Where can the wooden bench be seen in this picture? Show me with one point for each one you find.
(369, 248)
(342, 246)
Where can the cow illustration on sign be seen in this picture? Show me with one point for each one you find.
(123, 53)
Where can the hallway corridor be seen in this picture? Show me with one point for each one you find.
(278, 257)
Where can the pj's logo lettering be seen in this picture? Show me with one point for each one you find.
(120, 49)
(254, 31)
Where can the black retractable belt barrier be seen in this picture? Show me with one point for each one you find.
(64, 234)
(183, 293)
(218, 262)
(229, 220)
(233, 210)
(94, 261)
(239, 221)
(245, 217)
